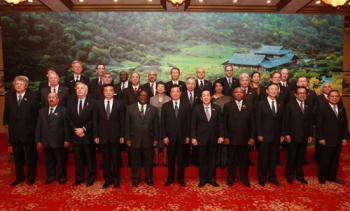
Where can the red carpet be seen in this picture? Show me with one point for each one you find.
(287, 197)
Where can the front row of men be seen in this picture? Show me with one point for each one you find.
(85, 122)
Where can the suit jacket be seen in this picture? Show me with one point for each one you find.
(269, 125)
(238, 125)
(284, 94)
(251, 97)
(206, 86)
(82, 120)
(227, 88)
(297, 124)
(95, 89)
(63, 94)
(169, 84)
(321, 100)
(52, 130)
(330, 127)
(311, 99)
(207, 132)
(141, 131)
(69, 82)
(173, 127)
(109, 130)
(196, 99)
(129, 95)
(21, 120)
(119, 89)
(147, 87)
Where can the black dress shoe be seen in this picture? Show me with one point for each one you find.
(77, 183)
(201, 184)
(301, 179)
(90, 183)
(50, 180)
(106, 185)
(214, 183)
(339, 181)
(116, 184)
(262, 183)
(149, 182)
(62, 181)
(275, 182)
(181, 183)
(31, 181)
(290, 180)
(16, 182)
(230, 182)
(169, 182)
(246, 183)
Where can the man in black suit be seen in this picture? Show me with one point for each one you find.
(284, 78)
(20, 114)
(175, 133)
(107, 78)
(46, 83)
(151, 85)
(311, 99)
(229, 81)
(201, 83)
(130, 93)
(298, 132)
(175, 80)
(192, 99)
(206, 133)
(70, 80)
(269, 133)
(108, 123)
(141, 134)
(239, 133)
(80, 110)
(52, 134)
(55, 87)
(123, 83)
(97, 83)
(332, 134)
(249, 93)
(283, 92)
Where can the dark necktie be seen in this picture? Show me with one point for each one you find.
(302, 107)
(191, 99)
(108, 109)
(142, 111)
(152, 89)
(123, 85)
(176, 110)
(201, 85)
(230, 82)
(335, 111)
(19, 100)
(207, 114)
(54, 90)
(99, 82)
(50, 114)
(80, 107)
(135, 89)
(273, 107)
(76, 78)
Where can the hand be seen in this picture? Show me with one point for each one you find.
(155, 143)
(128, 143)
(194, 142)
(66, 144)
(39, 146)
(282, 139)
(10, 149)
(97, 140)
(121, 140)
(220, 140)
(288, 139)
(251, 142)
(79, 132)
(260, 138)
(187, 140)
(226, 141)
(309, 140)
(166, 141)
(322, 142)
(343, 142)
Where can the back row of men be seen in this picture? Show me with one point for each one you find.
(189, 118)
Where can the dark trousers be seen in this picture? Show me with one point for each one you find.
(187, 155)
(146, 156)
(268, 152)
(295, 160)
(55, 158)
(85, 154)
(111, 161)
(329, 162)
(238, 157)
(25, 153)
(194, 154)
(175, 153)
(207, 161)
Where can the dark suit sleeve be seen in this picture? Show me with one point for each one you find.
(95, 120)
(122, 119)
(221, 123)
(6, 118)
(163, 118)
(259, 120)
(194, 124)
(225, 120)
(345, 126)
(38, 128)
(127, 124)
(252, 124)
(156, 125)
(320, 117)
(67, 135)
(286, 121)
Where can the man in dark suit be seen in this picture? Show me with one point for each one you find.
(130, 93)
(298, 132)
(151, 85)
(97, 83)
(123, 83)
(108, 123)
(175, 133)
(55, 87)
(229, 81)
(46, 83)
(284, 78)
(175, 80)
(52, 134)
(141, 135)
(283, 92)
(192, 99)
(239, 133)
(20, 114)
(201, 83)
(332, 134)
(249, 93)
(80, 110)
(311, 99)
(207, 131)
(107, 78)
(269, 133)
(70, 80)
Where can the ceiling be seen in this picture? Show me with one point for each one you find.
(273, 6)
